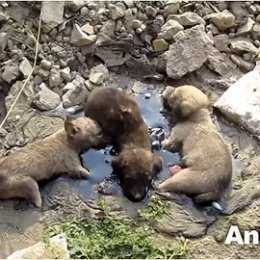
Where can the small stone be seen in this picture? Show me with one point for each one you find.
(223, 20)
(77, 93)
(171, 8)
(256, 30)
(252, 9)
(247, 27)
(25, 67)
(45, 64)
(258, 18)
(245, 65)
(46, 99)
(11, 72)
(65, 74)
(169, 29)
(243, 45)
(150, 11)
(117, 11)
(100, 69)
(136, 24)
(148, 95)
(42, 73)
(3, 16)
(187, 19)
(96, 78)
(76, 5)
(3, 41)
(55, 79)
(52, 13)
(80, 38)
(87, 28)
(222, 42)
(160, 45)
(84, 11)
(138, 87)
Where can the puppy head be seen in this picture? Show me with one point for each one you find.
(135, 169)
(84, 131)
(185, 100)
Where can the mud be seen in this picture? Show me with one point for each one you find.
(65, 199)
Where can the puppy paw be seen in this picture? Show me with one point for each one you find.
(81, 173)
(166, 144)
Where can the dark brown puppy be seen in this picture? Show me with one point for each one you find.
(43, 159)
(119, 116)
(206, 157)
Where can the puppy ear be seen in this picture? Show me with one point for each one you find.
(71, 128)
(157, 163)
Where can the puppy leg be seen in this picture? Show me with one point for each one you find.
(173, 142)
(76, 170)
(21, 187)
(185, 181)
(206, 197)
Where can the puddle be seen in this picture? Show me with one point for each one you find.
(97, 161)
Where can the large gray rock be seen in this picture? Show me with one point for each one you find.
(188, 53)
(169, 29)
(52, 12)
(240, 103)
(188, 19)
(11, 71)
(76, 94)
(25, 67)
(222, 20)
(46, 99)
(243, 45)
(80, 38)
(56, 248)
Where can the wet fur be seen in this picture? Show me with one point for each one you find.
(119, 116)
(207, 160)
(46, 158)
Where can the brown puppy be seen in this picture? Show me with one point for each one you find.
(43, 159)
(119, 116)
(206, 157)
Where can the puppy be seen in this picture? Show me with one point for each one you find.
(207, 171)
(119, 116)
(43, 159)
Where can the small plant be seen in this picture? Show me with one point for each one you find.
(114, 239)
(155, 209)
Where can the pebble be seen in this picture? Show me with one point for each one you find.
(45, 64)
(148, 95)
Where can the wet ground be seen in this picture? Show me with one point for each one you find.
(65, 199)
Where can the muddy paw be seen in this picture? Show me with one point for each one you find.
(166, 145)
(81, 174)
(167, 195)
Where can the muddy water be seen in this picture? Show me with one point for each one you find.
(97, 161)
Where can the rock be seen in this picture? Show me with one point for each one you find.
(258, 18)
(136, 23)
(150, 11)
(138, 87)
(110, 57)
(59, 51)
(25, 67)
(11, 72)
(87, 28)
(77, 93)
(3, 41)
(256, 30)
(187, 19)
(56, 248)
(65, 74)
(169, 29)
(3, 16)
(171, 8)
(246, 28)
(42, 73)
(212, 28)
(160, 45)
(243, 45)
(46, 99)
(220, 62)
(117, 11)
(245, 65)
(239, 102)
(222, 42)
(55, 79)
(24, 101)
(52, 13)
(76, 5)
(45, 64)
(96, 78)
(100, 69)
(79, 38)
(223, 20)
(188, 53)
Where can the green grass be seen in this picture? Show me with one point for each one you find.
(155, 209)
(114, 238)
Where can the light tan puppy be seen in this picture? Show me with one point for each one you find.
(206, 158)
(43, 159)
